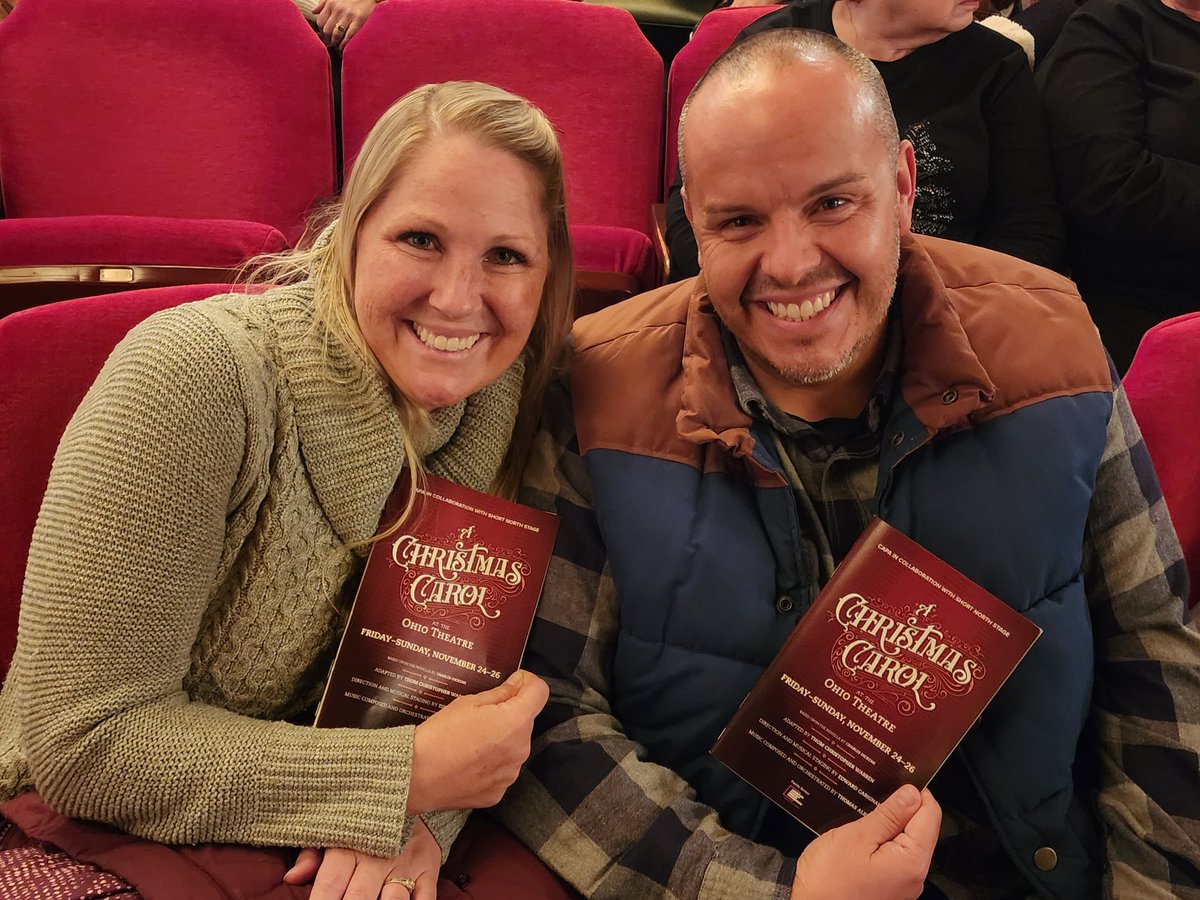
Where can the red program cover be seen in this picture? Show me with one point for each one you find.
(443, 609)
(876, 686)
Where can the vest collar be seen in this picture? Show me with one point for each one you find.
(941, 377)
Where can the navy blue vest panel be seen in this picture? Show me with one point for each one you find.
(700, 558)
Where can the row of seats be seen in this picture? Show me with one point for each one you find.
(146, 143)
(51, 355)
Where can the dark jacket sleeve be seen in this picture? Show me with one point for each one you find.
(681, 241)
(1020, 214)
(1113, 185)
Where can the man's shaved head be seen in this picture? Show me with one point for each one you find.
(781, 48)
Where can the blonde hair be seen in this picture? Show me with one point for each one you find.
(496, 119)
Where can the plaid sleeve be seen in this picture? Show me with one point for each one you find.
(1146, 703)
(588, 802)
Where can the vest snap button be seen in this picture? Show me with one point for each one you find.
(950, 396)
(897, 438)
(1045, 858)
(784, 603)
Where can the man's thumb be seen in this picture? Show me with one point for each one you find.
(886, 821)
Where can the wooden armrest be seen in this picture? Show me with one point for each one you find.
(595, 290)
(22, 287)
(658, 212)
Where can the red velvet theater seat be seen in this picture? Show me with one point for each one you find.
(49, 357)
(713, 36)
(205, 109)
(48, 259)
(1163, 384)
(587, 67)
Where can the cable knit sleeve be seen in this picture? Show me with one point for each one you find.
(128, 551)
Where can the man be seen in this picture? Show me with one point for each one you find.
(731, 438)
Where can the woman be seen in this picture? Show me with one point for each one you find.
(964, 96)
(1122, 97)
(215, 494)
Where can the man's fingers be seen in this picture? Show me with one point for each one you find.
(889, 818)
(926, 824)
(531, 695)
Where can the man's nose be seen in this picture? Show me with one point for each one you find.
(790, 251)
(458, 287)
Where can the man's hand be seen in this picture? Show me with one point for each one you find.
(348, 875)
(883, 856)
(339, 20)
(466, 755)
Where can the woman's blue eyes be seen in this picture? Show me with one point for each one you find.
(504, 256)
(507, 257)
(419, 239)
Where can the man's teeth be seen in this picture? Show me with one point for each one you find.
(441, 342)
(802, 311)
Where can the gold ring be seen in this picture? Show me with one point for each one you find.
(403, 882)
(340, 28)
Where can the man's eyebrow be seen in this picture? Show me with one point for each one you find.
(830, 184)
(836, 182)
(733, 209)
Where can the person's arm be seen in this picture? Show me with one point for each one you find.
(127, 552)
(1020, 213)
(1146, 701)
(614, 824)
(1112, 183)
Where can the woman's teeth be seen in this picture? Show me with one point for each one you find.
(805, 310)
(441, 342)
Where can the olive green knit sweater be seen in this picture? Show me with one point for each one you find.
(189, 576)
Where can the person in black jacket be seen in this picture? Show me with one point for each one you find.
(965, 97)
(1122, 97)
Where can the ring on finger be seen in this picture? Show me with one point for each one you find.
(408, 883)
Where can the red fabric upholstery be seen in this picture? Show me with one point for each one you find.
(488, 863)
(713, 36)
(205, 109)
(607, 249)
(134, 240)
(587, 67)
(1163, 384)
(49, 357)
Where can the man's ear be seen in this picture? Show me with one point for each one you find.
(906, 184)
(687, 211)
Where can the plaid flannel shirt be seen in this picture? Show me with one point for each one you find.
(614, 824)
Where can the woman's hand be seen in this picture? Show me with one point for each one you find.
(339, 20)
(466, 755)
(884, 855)
(349, 875)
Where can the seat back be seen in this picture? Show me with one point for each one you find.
(714, 34)
(587, 67)
(1163, 384)
(207, 109)
(50, 356)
